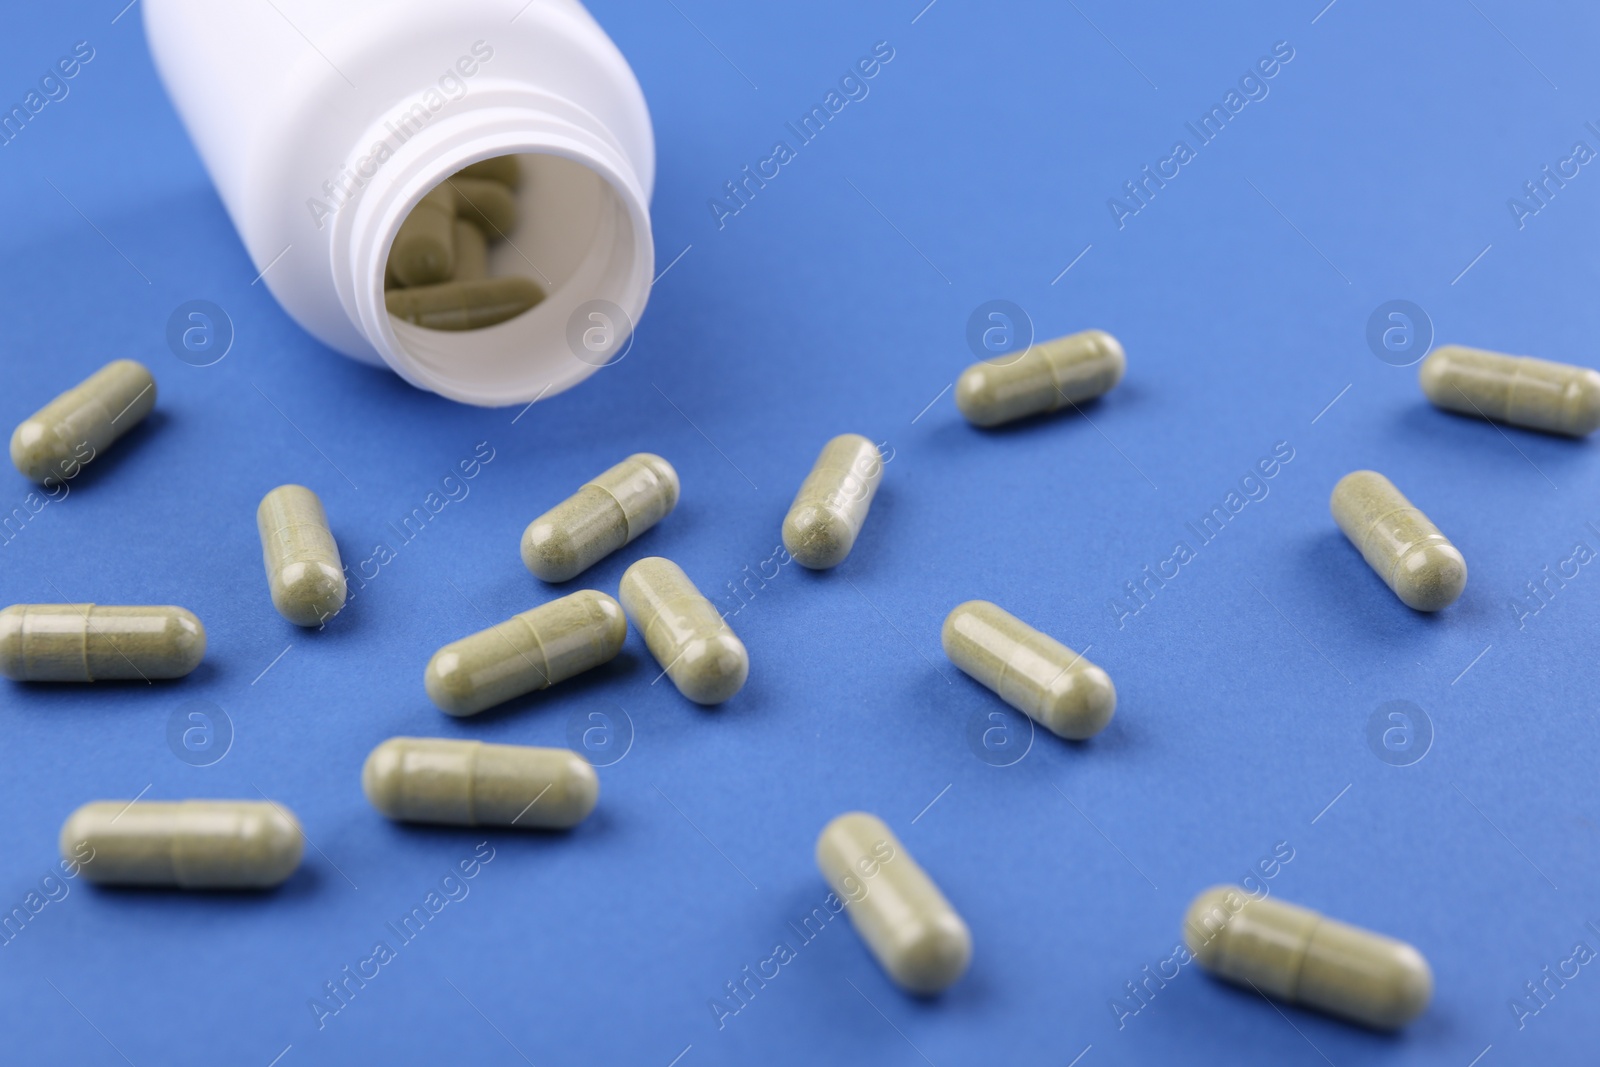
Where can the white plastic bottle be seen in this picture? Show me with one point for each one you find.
(323, 122)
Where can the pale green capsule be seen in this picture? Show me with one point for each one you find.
(469, 305)
(98, 643)
(827, 513)
(472, 252)
(57, 440)
(1030, 670)
(469, 783)
(424, 249)
(507, 170)
(488, 205)
(1407, 551)
(683, 631)
(1299, 956)
(600, 518)
(915, 933)
(530, 651)
(304, 574)
(1521, 390)
(190, 844)
(1048, 376)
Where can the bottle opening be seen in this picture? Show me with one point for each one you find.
(564, 240)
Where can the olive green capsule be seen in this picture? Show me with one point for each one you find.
(600, 518)
(530, 651)
(189, 844)
(683, 631)
(507, 170)
(472, 252)
(1521, 390)
(1407, 551)
(827, 513)
(1299, 956)
(469, 305)
(96, 643)
(488, 205)
(469, 783)
(75, 427)
(1050, 375)
(1030, 670)
(906, 922)
(303, 569)
(424, 249)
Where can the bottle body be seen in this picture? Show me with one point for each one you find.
(324, 123)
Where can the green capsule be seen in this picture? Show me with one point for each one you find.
(75, 427)
(304, 574)
(507, 170)
(1407, 551)
(827, 513)
(683, 631)
(1299, 956)
(915, 933)
(472, 252)
(468, 305)
(424, 249)
(527, 652)
(1048, 376)
(488, 205)
(97, 643)
(1521, 390)
(600, 518)
(469, 783)
(190, 844)
(1030, 670)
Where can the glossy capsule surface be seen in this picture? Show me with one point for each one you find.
(1297, 955)
(424, 250)
(189, 844)
(907, 923)
(470, 783)
(304, 574)
(1047, 376)
(684, 631)
(1406, 550)
(98, 642)
(467, 305)
(1030, 670)
(827, 513)
(57, 440)
(600, 518)
(485, 204)
(530, 651)
(1521, 390)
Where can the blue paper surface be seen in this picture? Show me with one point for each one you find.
(1382, 161)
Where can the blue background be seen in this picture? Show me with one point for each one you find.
(978, 168)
